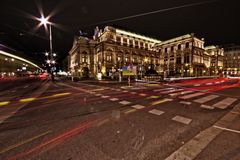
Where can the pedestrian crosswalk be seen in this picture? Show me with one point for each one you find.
(206, 99)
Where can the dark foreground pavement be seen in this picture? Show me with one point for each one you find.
(88, 121)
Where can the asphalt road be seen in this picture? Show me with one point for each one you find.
(106, 120)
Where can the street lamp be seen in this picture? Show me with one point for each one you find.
(44, 21)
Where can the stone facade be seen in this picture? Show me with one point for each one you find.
(113, 48)
(232, 60)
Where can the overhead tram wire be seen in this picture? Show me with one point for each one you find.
(152, 12)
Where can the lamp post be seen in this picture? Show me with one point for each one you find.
(44, 21)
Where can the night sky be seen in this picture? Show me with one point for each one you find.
(217, 22)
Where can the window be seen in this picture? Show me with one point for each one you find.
(187, 58)
(172, 48)
(109, 57)
(84, 57)
(165, 49)
(125, 41)
(130, 43)
(118, 40)
(187, 45)
(179, 60)
(179, 47)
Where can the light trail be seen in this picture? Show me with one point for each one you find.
(154, 12)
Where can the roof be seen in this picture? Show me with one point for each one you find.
(120, 31)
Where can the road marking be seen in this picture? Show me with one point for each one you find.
(171, 91)
(185, 102)
(102, 122)
(114, 99)
(4, 103)
(24, 142)
(206, 106)
(142, 94)
(117, 89)
(181, 93)
(161, 101)
(105, 96)
(124, 102)
(27, 99)
(130, 111)
(196, 145)
(125, 91)
(217, 82)
(153, 97)
(162, 89)
(197, 85)
(206, 99)
(227, 129)
(138, 106)
(25, 86)
(225, 103)
(222, 81)
(192, 95)
(182, 119)
(156, 112)
(133, 93)
(208, 83)
(98, 94)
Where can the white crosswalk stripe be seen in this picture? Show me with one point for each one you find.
(138, 106)
(171, 91)
(192, 95)
(181, 93)
(105, 96)
(225, 103)
(114, 99)
(185, 102)
(206, 107)
(124, 102)
(206, 99)
(182, 119)
(162, 89)
(156, 112)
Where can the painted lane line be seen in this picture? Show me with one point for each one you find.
(162, 89)
(227, 129)
(206, 107)
(185, 102)
(217, 82)
(24, 142)
(206, 98)
(114, 99)
(4, 103)
(171, 91)
(156, 112)
(138, 106)
(105, 96)
(153, 97)
(182, 119)
(192, 95)
(130, 111)
(225, 103)
(124, 102)
(98, 94)
(125, 91)
(161, 101)
(26, 86)
(27, 99)
(197, 85)
(133, 93)
(142, 94)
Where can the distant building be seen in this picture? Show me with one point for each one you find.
(232, 60)
(114, 48)
(216, 55)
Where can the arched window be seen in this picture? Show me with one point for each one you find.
(187, 45)
(179, 47)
